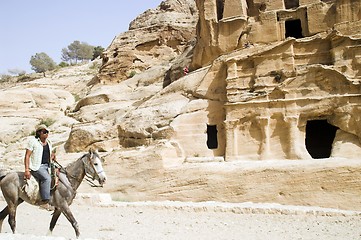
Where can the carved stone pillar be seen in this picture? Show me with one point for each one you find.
(265, 146)
(296, 148)
(231, 150)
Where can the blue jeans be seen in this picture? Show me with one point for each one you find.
(43, 176)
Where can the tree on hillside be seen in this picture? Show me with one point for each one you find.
(98, 50)
(41, 63)
(77, 51)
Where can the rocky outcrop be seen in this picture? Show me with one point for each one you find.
(25, 104)
(331, 184)
(156, 37)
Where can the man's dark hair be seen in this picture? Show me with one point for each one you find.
(37, 133)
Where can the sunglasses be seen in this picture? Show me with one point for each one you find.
(44, 132)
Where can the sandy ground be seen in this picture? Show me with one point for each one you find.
(106, 219)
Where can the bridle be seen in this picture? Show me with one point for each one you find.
(88, 164)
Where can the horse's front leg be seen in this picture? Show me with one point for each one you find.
(69, 215)
(53, 221)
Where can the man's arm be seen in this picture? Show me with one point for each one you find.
(27, 163)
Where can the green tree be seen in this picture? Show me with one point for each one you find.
(98, 50)
(77, 51)
(86, 52)
(67, 56)
(41, 63)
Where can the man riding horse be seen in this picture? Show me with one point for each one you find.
(12, 184)
(37, 162)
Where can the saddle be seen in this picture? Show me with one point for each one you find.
(54, 173)
(31, 186)
(31, 189)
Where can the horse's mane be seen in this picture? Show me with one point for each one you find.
(73, 163)
(85, 154)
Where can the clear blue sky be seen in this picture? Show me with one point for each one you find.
(30, 27)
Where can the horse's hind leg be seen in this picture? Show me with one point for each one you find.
(53, 221)
(5, 212)
(3, 215)
(12, 214)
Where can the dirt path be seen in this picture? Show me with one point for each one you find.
(174, 220)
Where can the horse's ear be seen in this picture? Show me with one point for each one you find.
(91, 151)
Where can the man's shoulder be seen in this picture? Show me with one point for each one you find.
(32, 140)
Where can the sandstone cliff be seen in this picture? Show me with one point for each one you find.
(156, 37)
(269, 111)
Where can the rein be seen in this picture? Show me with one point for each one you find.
(88, 178)
(63, 170)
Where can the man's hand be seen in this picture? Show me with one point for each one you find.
(27, 174)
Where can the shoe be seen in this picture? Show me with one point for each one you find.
(47, 206)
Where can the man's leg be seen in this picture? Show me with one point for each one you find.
(45, 180)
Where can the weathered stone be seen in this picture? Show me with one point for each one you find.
(86, 135)
(154, 38)
(142, 175)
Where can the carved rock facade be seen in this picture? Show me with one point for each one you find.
(257, 90)
(288, 82)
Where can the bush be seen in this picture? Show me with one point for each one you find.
(132, 74)
(47, 122)
(63, 64)
(5, 78)
(24, 78)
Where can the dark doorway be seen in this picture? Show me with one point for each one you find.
(319, 138)
(220, 9)
(292, 4)
(212, 141)
(293, 28)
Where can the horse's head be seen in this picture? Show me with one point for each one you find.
(93, 166)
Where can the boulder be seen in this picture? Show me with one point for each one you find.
(87, 135)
